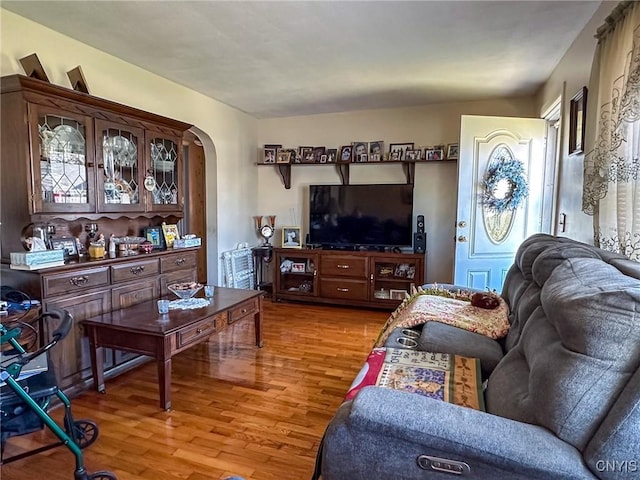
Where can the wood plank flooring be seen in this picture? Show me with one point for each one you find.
(237, 409)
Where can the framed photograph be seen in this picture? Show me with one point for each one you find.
(376, 148)
(452, 151)
(291, 237)
(401, 270)
(359, 149)
(298, 267)
(363, 157)
(433, 154)
(397, 151)
(155, 235)
(413, 155)
(171, 233)
(345, 153)
(375, 157)
(68, 244)
(283, 156)
(397, 294)
(317, 154)
(269, 155)
(332, 154)
(577, 121)
(306, 154)
(323, 158)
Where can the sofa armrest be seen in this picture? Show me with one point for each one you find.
(382, 432)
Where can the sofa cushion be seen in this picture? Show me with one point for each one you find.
(440, 338)
(576, 352)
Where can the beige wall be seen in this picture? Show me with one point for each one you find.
(571, 74)
(229, 136)
(435, 183)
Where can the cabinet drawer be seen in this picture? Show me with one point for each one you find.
(173, 262)
(126, 295)
(247, 308)
(69, 282)
(343, 288)
(343, 265)
(132, 270)
(196, 332)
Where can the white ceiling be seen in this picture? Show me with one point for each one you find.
(273, 59)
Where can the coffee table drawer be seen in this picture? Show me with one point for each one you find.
(130, 271)
(77, 280)
(242, 310)
(195, 332)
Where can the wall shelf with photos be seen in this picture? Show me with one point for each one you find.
(404, 154)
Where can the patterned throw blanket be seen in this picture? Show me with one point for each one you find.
(453, 309)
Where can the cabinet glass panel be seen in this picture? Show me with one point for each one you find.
(121, 167)
(63, 160)
(164, 163)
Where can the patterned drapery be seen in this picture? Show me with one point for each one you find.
(611, 190)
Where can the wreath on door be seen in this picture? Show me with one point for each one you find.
(505, 186)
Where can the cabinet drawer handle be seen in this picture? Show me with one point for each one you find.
(244, 310)
(344, 266)
(138, 269)
(199, 330)
(79, 281)
(180, 261)
(342, 289)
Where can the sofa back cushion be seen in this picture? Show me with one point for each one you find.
(577, 349)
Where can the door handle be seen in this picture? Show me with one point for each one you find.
(462, 239)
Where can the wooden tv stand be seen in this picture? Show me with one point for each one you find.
(358, 278)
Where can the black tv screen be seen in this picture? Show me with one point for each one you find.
(361, 215)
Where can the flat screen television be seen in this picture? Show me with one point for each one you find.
(347, 216)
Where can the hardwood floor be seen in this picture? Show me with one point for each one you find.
(237, 409)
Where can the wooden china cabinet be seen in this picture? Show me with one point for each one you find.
(69, 158)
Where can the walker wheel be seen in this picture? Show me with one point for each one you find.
(102, 475)
(85, 432)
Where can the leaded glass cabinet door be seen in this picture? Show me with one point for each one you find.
(120, 161)
(62, 163)
(164, 176)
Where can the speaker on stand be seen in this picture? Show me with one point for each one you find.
(419, 237)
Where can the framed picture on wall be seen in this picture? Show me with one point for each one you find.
(577, 121)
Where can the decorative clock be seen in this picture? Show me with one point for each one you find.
(267, 230)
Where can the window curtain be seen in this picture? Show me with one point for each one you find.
(611, 191)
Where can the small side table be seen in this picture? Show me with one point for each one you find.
(261, 255)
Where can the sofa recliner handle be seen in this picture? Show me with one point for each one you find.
(445, 465)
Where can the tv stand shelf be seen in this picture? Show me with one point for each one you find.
(357, 278)
(343, 168)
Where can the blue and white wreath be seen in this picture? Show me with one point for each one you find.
(516, 194)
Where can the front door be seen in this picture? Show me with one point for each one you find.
(502, 153)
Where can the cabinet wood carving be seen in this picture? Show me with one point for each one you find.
(67, 154)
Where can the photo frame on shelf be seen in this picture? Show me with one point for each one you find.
(155, 235)
(345, 154)
(283, 156)
(332, 154)
(291, 237)
(359, 149)
(452, 151)
(397, 151)
(397, 294)
(68, 244)
(268, 155)
(376, 148)
(298, 267)
(577, 121)
(413, 155)
(170, 232)
(317, 154)
(306, 154)
(433, 154)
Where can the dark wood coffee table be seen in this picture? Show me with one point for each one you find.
(141, 329)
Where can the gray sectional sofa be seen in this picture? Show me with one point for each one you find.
(563, 389)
